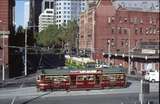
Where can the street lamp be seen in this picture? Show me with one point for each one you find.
(129, 50)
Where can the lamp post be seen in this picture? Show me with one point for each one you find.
(129, 54)
(109, 51)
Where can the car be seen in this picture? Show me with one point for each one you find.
(152, 76)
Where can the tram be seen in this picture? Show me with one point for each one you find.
(69, 79)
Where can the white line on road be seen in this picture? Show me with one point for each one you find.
(13, 100)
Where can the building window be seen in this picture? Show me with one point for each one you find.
(136, 30)
(46, 4)
(59, 12)
(113, 18)
(64, 12)
(141, 21)
(64, 3)
(147, 31)
(113, 29)
(109, 19)
(125, 19)
(59, 20)
(125, 31)
(52, 5)
(122, 43)
(64, 7)
(119, 30)
(141, 30)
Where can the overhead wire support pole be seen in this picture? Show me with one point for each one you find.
(109, 51)
(25, 53)
(3, 58)
(129, 50)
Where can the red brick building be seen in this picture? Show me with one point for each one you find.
(6, 29)
(125, 29)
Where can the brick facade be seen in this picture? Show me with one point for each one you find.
(6, 30)
(119, 26)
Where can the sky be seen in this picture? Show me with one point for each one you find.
(19, 13)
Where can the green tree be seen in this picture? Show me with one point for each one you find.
(56, 37)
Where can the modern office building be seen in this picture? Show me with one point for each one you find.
(66, 10)
(47, 4)
(35, 11)
(46, 18)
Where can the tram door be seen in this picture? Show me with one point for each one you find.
(73, 80)
(97, 79)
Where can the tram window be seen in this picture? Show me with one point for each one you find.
(112, 77)
(48, 77)
(85, 77)
(90, 77)
(105, 78)
(80, 78)
(61, 78)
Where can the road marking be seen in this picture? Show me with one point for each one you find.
(13, 100)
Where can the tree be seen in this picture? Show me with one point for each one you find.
(56, 37)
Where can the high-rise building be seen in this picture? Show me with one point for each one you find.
(47, 4)
(35, 11)
(66, 10)
(46, 18)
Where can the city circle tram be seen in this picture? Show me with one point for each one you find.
(74, 79)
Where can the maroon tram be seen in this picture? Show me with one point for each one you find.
(80, 79)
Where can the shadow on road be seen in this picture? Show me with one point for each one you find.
(28, 101)
(128, 84)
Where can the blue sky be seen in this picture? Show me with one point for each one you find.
(19, 13)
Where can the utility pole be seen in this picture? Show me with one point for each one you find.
(3, 58)
(109, 51)
(141, 92)
(25, 53)
(129, 54)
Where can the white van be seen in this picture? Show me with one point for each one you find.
(152, 76)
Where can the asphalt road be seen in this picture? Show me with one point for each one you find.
(131, 98)
(24, 92)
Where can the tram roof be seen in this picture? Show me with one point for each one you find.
(67, 70)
